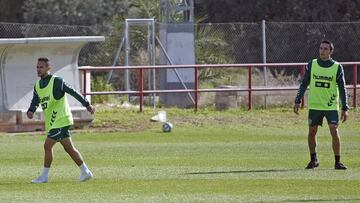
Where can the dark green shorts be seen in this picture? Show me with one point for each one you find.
(316, 117)
(58, 134)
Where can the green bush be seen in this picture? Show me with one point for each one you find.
(99, 84)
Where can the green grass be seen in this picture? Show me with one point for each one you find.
(231, 156)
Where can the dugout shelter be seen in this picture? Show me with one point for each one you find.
(18, 59)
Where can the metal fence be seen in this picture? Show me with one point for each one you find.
(242, 42)
(281, 42)
(236, 93)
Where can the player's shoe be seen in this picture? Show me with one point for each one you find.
(340, 166)
(312, 164)
(40, 179)
(85, 176)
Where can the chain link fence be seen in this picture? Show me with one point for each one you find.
(241, 42)
(216, 43)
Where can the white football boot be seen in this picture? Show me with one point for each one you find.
(40, 179)
(85, 176)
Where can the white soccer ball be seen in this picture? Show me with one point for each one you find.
(167, 127)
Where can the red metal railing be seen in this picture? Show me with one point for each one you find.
(250, 89)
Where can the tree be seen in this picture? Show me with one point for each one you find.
(11, 10)
(211, 48)
(73, 12)
(278, 10)
(145, 9)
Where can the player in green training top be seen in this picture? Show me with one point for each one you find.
(50, 92)
(325, 78)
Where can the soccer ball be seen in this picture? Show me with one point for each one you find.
(167, 127)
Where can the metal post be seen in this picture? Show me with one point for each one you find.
(149, 45)
(153, 59)
(264, 57)
(196, 89)
(170, 7)
(302, 73)
(354, 84)
(191, 17)
(141, 89)
(249, 87)
(167, 12)
(161, 11)
(127, 50)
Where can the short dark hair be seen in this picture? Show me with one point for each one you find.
(329, 43)
(44, 59)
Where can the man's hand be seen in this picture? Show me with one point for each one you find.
(296, 108)
(91, 109)
(30, 114)
(344, 115)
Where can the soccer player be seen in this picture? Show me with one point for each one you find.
(49, 92)
(325, 78)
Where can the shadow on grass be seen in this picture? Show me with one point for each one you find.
(244, 171)
(325, 200)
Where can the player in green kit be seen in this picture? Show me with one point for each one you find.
(50, 92)
(325, 78)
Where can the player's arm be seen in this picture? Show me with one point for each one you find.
(340, 79)
(67, 88)
(303, 86)
(35, 101)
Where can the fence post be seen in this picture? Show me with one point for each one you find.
(141, 89)
(354, 84)
(196, 89)
(302, 73)
(249, 87)
(263, 28)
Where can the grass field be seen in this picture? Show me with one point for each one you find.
(230, 156)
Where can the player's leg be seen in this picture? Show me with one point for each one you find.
(336, 145)
(72, 151)
(335, 139)
(68, 145)
(315, 119)
(333, 120)
(48, 146)
(312, 141)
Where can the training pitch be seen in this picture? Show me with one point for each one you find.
(230, 156)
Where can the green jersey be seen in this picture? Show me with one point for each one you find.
(57, 111)
(324, 93)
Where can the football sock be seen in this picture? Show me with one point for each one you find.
(313, 157)
(45, 172)
(84, 168)
(337, 159)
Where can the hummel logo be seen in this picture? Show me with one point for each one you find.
(53, 116)
(331, 102)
